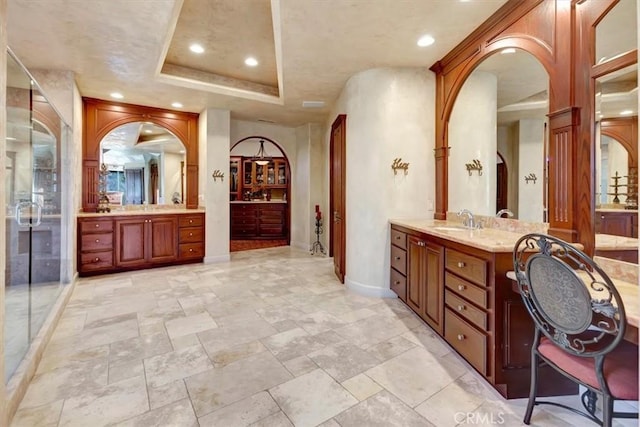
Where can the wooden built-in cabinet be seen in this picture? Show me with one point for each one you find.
(248, 176)
(258, 220)
(617, 223)
(463, 294)
(129, 242)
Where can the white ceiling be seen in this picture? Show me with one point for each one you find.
(308, 52)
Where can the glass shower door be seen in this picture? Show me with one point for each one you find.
(33, 199)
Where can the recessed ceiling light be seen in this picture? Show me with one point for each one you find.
(176, 105)
(626, 112)
(251, 61)
(426, 40)
(148, 131)
(196, 48)
(117, 95)
(10, 138)
(508, 50)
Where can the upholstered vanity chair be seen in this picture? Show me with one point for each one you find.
(579, 325)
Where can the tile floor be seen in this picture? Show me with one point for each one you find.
(268, 339)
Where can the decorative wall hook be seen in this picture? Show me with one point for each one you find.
(217, 174)
(475, 165)
(397, 164)
(531, 177)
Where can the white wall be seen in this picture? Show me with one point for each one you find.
(214, 145)
(390, 114)
(472, 135)
(531, 146)
(318, 168)
(301, 197)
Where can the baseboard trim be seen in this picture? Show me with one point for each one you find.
(300, 245)
(368, 290)
(217, 259)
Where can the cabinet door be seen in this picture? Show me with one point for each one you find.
(434, 286)
(163, 239)
(417, 271)
(130, 242)
(615, 223)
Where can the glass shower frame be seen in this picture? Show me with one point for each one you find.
(35, 272)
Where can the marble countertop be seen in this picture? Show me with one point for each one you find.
(616, 210)
(133, 212)
(610, 242)
(257, 201)
(488, 239)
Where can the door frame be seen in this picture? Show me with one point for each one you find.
(340, 120)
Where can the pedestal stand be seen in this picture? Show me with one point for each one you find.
(317, 246)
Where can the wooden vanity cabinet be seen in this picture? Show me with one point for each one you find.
(256, 220)
(398, 281)
(617, 223)
(129, 242)
(144, 240)
(464, 295)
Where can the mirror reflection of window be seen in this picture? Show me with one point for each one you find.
(145, 164)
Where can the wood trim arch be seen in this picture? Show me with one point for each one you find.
(625, 131)
(101, 117)
(529, 25)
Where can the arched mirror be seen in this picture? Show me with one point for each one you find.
(156, 134)
(497, 138)
(616, 133)
(145, 164)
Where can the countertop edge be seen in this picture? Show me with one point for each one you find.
(140, 213)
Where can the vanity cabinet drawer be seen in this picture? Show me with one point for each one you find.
(96, 260)
(466, 289)
(190, 234)
(466, 310)
(466, 340)
(399, 238)
(94, 242)
(399, 259)
(399, 284)
(467, 266)
(190, 220)
(95, 226)
(191, 250)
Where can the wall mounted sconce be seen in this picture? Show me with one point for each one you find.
(217, 174)
(531, 177)
(475, 165)
(397, 164)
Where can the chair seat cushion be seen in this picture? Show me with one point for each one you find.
(620, 367)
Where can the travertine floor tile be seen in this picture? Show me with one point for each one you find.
(312, 398)
(244, 412)
(259, 341)
(381, 410)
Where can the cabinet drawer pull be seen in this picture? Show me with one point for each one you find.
(97, 259)
(97, 240)
(397, 282)
(397, 237)
(461, 264)
(461, 287)
(190, 221)
(461, 308)
(461, 337)
(397, 258)
(191, 250)
(602, 217)
(190, 234)
(97, 225)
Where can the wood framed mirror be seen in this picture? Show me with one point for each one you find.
(101, 117)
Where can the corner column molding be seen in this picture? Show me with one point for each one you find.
(562, 185)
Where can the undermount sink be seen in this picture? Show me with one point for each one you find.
(450, 228)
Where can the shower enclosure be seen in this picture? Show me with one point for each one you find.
(34, 195)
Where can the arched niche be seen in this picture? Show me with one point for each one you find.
(625, 131)
(101, 117)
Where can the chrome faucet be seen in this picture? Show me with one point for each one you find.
(470, 222)
(504, 211)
